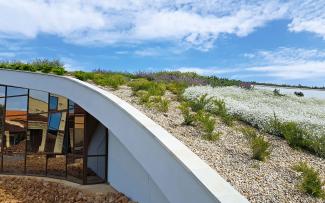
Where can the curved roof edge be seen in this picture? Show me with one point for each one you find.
(84, 94)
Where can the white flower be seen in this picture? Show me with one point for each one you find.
(259, 106)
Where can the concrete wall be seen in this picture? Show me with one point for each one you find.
(97, 147)
(126, 174)
(158, 158)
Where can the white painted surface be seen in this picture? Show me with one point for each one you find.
(159, 157)
(97, 147)
(126, 174)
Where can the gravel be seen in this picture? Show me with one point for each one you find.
(270, 181)
(29, 189)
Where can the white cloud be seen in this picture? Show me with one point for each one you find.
(290, 63)
(206, 71)
(191, 22)
(308, 15)
(148, 52)
(118, 21)
(29, 18)
(7, 55)
(71, 64)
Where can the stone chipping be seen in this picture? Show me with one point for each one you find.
(32, 190)
(269, 181)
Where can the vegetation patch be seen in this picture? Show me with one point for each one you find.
(219, 109)
(189, 117)
(260, 147)
(310, 181)
(207, 124)
(301, 121)
(199, 103)
(41, 65)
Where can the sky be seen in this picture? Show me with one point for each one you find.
(265, 41)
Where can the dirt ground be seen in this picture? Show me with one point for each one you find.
(32, 190)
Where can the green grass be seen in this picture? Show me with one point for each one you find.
(153, 88)
(41, 65)
(207, 124)
(200, 103)
(258, 144)
(297, 137)
(293, 134)
(310, 181)
(220, 109)
(189, 118)
(111, 80)
(260, 148)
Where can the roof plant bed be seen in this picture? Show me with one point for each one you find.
(270, 147)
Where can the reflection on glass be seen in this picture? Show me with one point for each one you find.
(37, 131)
(71, 132)
(15, 123)
(56, 165)
(53, 102)
(2, 91)
(96, 169)
(55, 137)
(17, 104)
(14, 91)
(75, 168)
(14, 142)
(71, 107)
(2, 111)
(35, 164)
(38, 101)
(13, 163)
(58, 102)
(79, 134)
(79, 110)
(16, 108)
(54, 121)
(34, 125)
(62, 103)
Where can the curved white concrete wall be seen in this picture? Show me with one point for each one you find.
(175, 173)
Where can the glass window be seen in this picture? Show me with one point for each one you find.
(56, 132)
(14, 91)
(71, 107)
(79, 133)
(96, 166)
(17, 104)
(71, 133)
(2, 91)
(37, 131)
(56, 165)
(58, 102)
(35, 164)
(38, 101)
(53, 102)
(2, 106)
(16, 117)
(54, 121)
(13, 163)
(14, 142)
(62, 103)
(79, 110)
(75, 168)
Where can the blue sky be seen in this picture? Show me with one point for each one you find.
(266, 41)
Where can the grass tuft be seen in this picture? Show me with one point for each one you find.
(310, 181)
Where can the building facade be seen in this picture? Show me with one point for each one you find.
(46, 134)
(62, 127)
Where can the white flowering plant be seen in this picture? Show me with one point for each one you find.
(258, 107)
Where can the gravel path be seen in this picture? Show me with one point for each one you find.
(270, 181)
